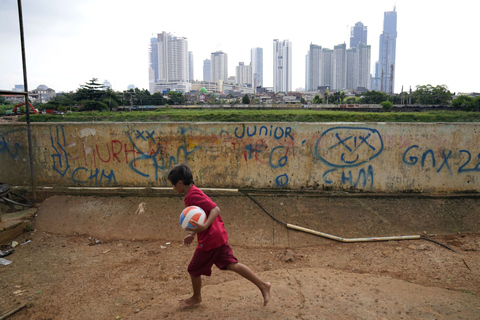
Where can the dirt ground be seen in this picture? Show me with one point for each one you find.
(77, 276)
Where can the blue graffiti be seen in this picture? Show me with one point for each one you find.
(60, 157)
(158, 162)
(466, 163)
(356, 146)
(282, 180)
(149, 135)
(4, 147)
(282, 161)
(275, 132)
(429, 156)
(255, 149)
(96, 177)
(347, 177)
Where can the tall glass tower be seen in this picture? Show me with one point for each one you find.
(358, 34)
(219, 66)
(256, 56)
(385, 67)
(282, 66)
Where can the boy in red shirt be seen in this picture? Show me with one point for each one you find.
(212, 239)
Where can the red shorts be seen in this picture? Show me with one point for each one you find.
(202, 261)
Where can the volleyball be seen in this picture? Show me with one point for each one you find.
(191, 215)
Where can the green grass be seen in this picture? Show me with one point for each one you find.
(256, 115)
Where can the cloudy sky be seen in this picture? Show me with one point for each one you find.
(70, 42)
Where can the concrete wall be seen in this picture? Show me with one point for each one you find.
(367, 157)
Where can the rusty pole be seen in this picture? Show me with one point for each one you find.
(27, 107)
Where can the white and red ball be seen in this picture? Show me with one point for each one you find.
(191, 215)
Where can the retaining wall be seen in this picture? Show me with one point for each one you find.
(364, 157)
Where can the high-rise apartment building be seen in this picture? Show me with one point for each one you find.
(243, 74)
(207, 70)
(363, 67)
(385, 67)
(339, 67)
(358, 34)
(256, 60)
(326, 68)
(282, 65)
(168, 60)
(219, 66)
(153, 67)
(191, 73)
(313, 70)
(351, 69)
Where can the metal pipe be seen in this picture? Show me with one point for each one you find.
(27, 107)
(349, 240)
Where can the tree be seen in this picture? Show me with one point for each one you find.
(91, 105)
(246, 99)
(90, 91)
(111, 99)
(317, 100)
(386, 105)
(158, 99)
(175, 98)
(439, 95)
(467, 103)
(62, 100)
(373, 97)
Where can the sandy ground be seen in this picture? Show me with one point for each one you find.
(80, 276)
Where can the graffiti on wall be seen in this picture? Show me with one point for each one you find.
(282, 155)
(343, 148)
(10, 144)
(442, 160)
(144, 152)
(274, 156)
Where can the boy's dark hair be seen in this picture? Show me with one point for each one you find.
(180, 172)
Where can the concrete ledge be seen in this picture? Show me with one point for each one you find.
(157, 218)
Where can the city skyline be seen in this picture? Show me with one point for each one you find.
(66, 48)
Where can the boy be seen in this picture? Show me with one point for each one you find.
(212, 239)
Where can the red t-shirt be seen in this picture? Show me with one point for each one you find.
(216, 235)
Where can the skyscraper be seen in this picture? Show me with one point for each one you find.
(256, 60)
(313, 71)
(219, 66)
(243, 74)
(153, 67)
(339, 67)
(282, 65)
(352, 71)
(191, 73)
(326, 68)
(358, 34)
(363, 66)
(385, 67)
(168, 59)
(207, 70)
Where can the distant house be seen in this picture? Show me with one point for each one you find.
(42, 94)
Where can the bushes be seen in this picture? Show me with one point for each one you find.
(467, 103)
(4, 108)
(386, 105)
(91, 105)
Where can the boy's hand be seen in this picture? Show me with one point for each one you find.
(188, 239)
(199, 227)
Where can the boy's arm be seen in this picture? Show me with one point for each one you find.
(211, 217)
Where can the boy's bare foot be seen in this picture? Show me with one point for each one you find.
(190, 301)
(266, 293)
